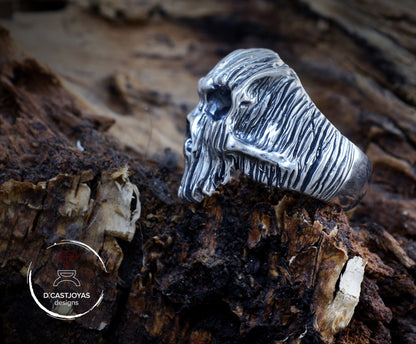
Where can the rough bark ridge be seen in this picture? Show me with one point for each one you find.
(250, 264)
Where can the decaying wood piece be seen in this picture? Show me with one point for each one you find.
(249, 265)
(58, 181)
(247, 269)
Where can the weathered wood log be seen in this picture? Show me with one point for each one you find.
(60, 175)
(248, 265)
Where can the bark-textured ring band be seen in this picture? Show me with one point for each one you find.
(255, 116)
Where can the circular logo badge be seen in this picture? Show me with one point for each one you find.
(66, 280)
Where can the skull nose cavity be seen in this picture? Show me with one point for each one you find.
(219, 102)
(188, 146)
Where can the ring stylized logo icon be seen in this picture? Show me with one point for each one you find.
(67, 257)
(67, 280)
(67, 276)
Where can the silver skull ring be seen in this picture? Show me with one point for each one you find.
(255, 116)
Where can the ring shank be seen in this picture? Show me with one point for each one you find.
(355, 187)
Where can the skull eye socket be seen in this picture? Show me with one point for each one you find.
(219, 102)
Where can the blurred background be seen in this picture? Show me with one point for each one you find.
(139, 61)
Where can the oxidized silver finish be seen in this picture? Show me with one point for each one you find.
(255, 116)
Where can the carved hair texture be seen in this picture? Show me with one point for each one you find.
(254, 115)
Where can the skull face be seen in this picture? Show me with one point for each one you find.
(254, 115)
(206, 161)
